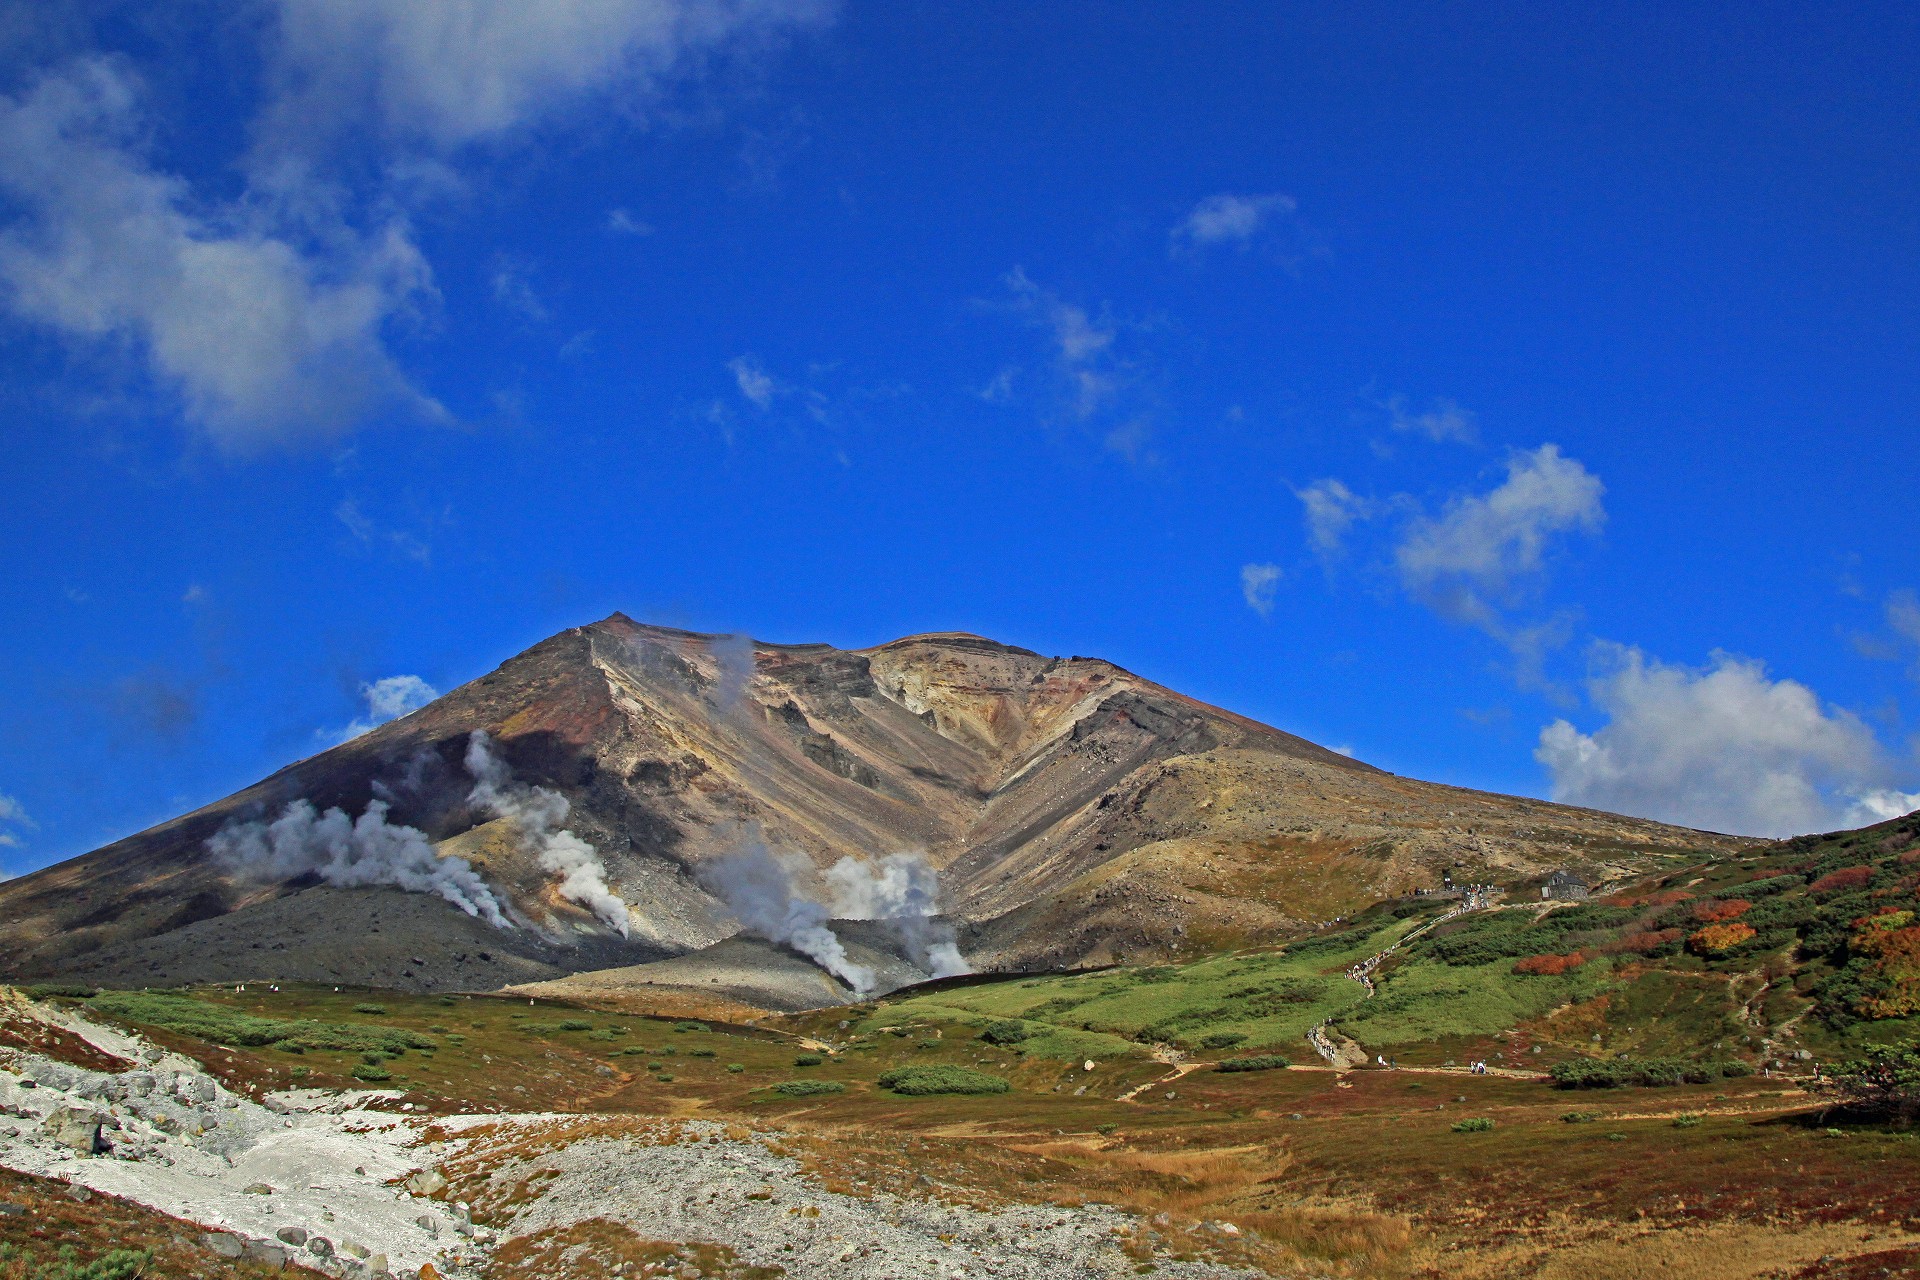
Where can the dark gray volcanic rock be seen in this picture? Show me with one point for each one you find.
(1078, 813)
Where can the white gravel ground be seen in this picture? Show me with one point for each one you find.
(739, 1194)
(331, 1166)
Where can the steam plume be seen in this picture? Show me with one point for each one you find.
(758, 887)
(902, 890)
(350, 853)
(538, 812)
(735, 658)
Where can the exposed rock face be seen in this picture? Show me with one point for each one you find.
(1077, 812)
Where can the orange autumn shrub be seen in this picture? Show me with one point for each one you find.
(1893, 941)
(1716, 938)
(1549, 965)
(1714, 911)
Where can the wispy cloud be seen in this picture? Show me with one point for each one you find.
(1081, 343)
(1725, 747)
(512, 281)
(13, 820)
(755, 383)
(621, 222)
(1259, 584)
(369, 533)
(1329, 509)
(1442, 421)
(1227, 219)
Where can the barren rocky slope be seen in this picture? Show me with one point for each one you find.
(1077, 814)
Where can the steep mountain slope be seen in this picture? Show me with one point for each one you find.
(1075, 811)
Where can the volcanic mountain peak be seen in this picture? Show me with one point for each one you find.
(1075, 812)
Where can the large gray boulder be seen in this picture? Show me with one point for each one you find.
(76, 1129)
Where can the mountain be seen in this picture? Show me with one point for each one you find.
(1075, 814)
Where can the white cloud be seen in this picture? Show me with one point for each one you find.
(1330, 510)
(445, 75)
(1725, 748)
(387, 698)
(1441, 422)
(1258, 584)
(755, 383)
(1484, 548)
(1230, 219)
(267, 331)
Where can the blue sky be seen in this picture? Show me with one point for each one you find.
(1518, 397)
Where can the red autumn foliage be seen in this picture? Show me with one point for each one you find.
(1841, 880)
(1549, 965)
(1713, 911)
(1910, 857)
(1645, 943)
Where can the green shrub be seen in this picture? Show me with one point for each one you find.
(808, 1060)
(289, 1046)
(370, 1008)
(1476, 1124)
(371, 1071)
(1686, 1120)
(689, 1026)
(702, 1053)
(71, 990)
(736, 1067)
(115, 1264)
(922, 1081)
(300, 1073)
(373, 1058)
(1006, 1031)
(808, 1088)
(601, 1036)
(1259, 1062)
(633, 1049)
(576, 1024)
(1222, 1039)
(664, 1078)
(1579, 1117)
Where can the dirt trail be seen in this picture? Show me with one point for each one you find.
(1476, 899)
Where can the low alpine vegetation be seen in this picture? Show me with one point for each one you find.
(922, 1081)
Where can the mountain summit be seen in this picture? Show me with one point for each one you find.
(587, 806)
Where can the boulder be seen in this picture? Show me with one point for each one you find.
(295, 1236)
(378, 1264)
(271, 1254)
(427, 1182)
(224, 1243)
(74, 1128)
(320, 1246)
(257, 1189)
